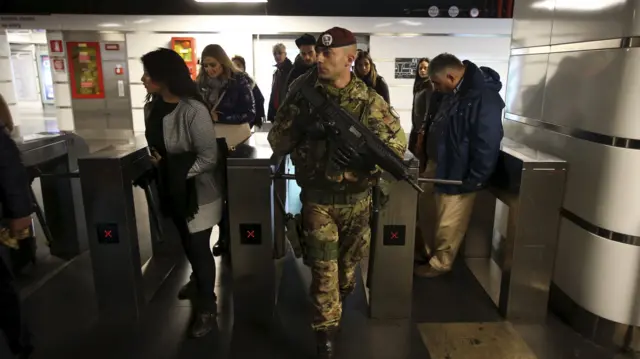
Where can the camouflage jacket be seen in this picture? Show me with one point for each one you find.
(311, 157)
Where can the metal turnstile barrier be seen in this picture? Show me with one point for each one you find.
(53, 157)
(513, 259)
(251, 226)
(122, 223)
(388, 271)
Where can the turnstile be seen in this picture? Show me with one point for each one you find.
(388, 271)
(53, 157)
(513, 260)
(251, 226)
(257, 193)
(121, 227)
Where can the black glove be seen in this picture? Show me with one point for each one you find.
(310, 128)
(316, 131)
(348, 157)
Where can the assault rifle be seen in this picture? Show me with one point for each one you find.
(345, 130)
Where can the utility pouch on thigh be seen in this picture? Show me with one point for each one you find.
(315, 250)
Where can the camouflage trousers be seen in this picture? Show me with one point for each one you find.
(343, 230)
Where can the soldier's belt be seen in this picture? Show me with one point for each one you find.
(328, 198)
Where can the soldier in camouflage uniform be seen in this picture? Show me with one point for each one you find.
(335, 205)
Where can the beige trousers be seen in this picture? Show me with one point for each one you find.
(443, 220)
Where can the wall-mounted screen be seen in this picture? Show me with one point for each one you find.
(45, 78)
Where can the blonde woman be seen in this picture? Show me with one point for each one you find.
(225, 89)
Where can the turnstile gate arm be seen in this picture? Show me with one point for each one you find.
(154, 210)
(373, 223)
(41, 218)
(439, 181)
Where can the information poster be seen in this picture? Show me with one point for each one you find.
(85, 70)
(45, 74)
(406, 67)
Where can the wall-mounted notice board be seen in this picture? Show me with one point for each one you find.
(85, 70)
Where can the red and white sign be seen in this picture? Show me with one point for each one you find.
(112, 47)
(58, 64)
(55, 46)
(119, 70)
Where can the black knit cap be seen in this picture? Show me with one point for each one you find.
(305, 39)
(336, 37)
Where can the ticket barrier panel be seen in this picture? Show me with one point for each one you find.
(513, 258)
(388, 270)
(118, 224)
(53, 157)
(251, 223)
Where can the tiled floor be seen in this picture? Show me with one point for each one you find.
(63, 315)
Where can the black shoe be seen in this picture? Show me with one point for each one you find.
(325, 343)
(187, 291)
(202, 324)
(220, 248)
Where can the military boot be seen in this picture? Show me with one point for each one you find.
(326, 343)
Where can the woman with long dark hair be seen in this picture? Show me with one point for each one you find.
(365, 69)
(422, 92)
(182, 140)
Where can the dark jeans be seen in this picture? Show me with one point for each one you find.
(196, 247)
(12, 324)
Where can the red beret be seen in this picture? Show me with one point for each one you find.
(336, 37)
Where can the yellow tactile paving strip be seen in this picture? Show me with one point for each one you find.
(474, 341)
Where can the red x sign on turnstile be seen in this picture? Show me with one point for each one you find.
(107, 234)
(394, 235)
(251, 234)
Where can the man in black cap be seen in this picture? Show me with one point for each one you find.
(305, 60)
(336, 186)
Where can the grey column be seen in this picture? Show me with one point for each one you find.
(573, 92)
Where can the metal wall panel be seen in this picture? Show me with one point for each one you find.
(531, 23)
(111, 116)
(604, 91)
(602, 276)
(525, 85)
(583, 20)
(601, 183)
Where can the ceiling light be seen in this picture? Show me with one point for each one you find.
(231, 1)
(109, 25)
(576, 5)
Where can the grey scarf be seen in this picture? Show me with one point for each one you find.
(212, 89)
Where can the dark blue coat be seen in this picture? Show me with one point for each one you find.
(238, 105)
(470, 142)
